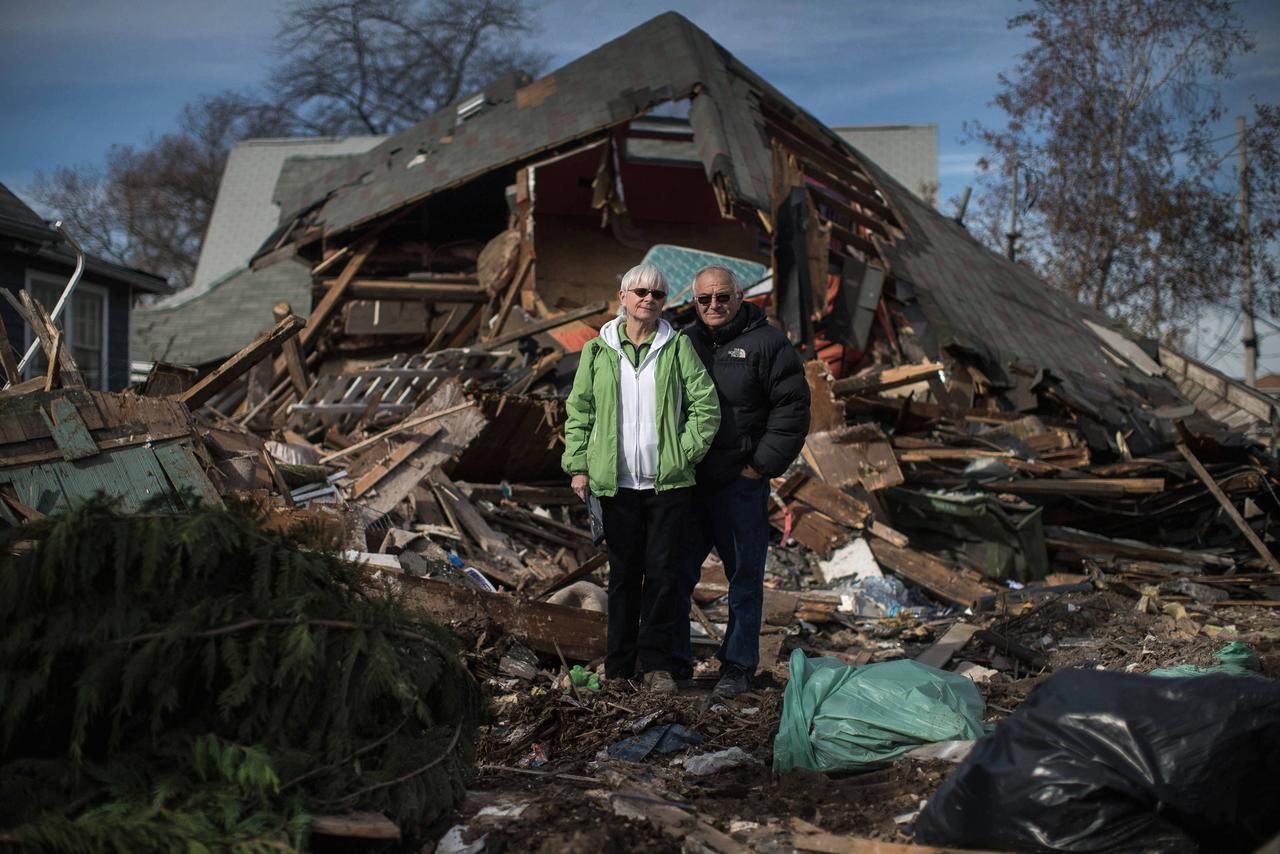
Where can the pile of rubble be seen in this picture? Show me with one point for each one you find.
(999, 485)
(992, 542)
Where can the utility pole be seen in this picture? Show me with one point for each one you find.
(1246, 286)
(1013, 212)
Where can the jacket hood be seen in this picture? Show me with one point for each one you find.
(613, 337)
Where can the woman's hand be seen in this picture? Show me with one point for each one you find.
(579, 484)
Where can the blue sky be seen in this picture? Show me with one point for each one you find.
(79, 75)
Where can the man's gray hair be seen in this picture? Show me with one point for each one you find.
(642, 276)
(728, 274)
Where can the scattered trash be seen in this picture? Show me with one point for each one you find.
(580, 677)
(665, 738)
(1101, 761)
(947, 751)
(976, 672)
(713, 763)
(840, 717)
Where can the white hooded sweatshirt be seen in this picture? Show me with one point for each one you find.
(637, 408)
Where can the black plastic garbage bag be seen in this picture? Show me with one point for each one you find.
(1098, 761)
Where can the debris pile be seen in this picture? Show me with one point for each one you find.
(997, 483)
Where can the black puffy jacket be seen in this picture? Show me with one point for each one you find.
(764, 399)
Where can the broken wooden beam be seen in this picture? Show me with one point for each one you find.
(1079, 486)
(887, 379)
(46, 331)
(545, 325)
(231, 370)
(355, 825)
(1232, 513)
(948, 645)
(293, 360)
(579, 633)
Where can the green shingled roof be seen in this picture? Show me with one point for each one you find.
(226, 317)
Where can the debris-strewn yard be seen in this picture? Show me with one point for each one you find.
(1000, 493)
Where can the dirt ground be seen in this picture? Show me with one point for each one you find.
(541, 728)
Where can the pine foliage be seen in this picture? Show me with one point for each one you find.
(195, 682)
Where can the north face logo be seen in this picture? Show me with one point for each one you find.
(737, 353)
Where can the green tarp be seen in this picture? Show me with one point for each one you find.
(837, 717)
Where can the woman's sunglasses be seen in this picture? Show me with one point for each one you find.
(645, 292)
(720, 298)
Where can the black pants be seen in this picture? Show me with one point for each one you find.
(643, 529)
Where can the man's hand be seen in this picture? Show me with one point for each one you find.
(750, 473)
(579, 484)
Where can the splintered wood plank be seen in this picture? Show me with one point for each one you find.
(1079, 486)
(928, 572)
(825, 411)
(459, 427)
(46, 331)
(402, 452)
(1232, 513)
(887, 379)
(838, 505)
(231, 370)
(292, 352)
(856, 454)
(356, 825)
(489, 540)
(948, 645)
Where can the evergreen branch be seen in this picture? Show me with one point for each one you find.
(314, 771)
(453, 742)
(254, 622)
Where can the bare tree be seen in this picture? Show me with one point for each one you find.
(148, 207)
(377, 66)
(1115, 130)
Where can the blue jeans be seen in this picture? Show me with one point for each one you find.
(735, 519)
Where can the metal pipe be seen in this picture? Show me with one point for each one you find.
(62, 300)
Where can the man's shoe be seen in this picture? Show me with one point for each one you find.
(660, 682)
(732, 683)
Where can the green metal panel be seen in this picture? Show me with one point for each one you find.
(184, 471)
(68, 430)
(135, 476)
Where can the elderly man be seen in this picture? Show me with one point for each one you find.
(764, 416)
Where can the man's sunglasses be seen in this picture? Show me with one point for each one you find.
(645, 292)
(720, 298)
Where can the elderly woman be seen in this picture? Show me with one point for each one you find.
(641, 414)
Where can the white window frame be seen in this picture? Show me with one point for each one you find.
(34, 277)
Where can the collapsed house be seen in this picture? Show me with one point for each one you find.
(418, 312)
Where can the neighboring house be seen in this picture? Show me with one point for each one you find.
(909, 153)
(95, 322)
(227, 303)
(247, 208)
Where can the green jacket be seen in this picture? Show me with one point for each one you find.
(687, 411)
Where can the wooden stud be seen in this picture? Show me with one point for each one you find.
(1232, 513)
(230, 370)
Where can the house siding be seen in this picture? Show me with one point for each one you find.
(13, 278)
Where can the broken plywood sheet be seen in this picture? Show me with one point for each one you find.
(857, 454)
(456, 431)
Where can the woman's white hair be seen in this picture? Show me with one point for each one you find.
(641, 276)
